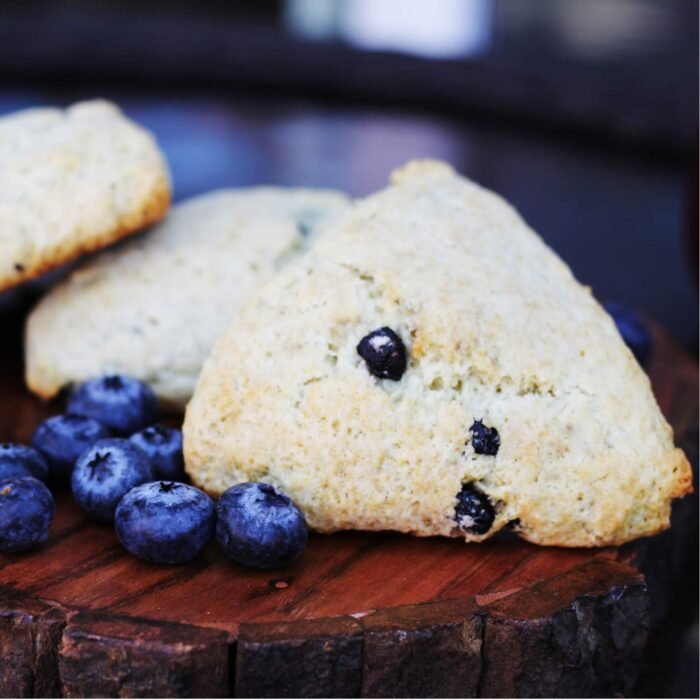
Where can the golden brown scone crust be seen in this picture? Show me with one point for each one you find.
(73, 181)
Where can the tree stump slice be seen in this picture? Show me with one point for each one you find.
(358, 615)
(117, 656)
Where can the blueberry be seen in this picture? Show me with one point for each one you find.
(485, 441)
(165, 522)
(22, 460)
(164, 448)
(105, 473)
(26, 511)
(62, 439)
(473, 513)
(259, 526)
(384, 353)
(632, 329)
(123, 404)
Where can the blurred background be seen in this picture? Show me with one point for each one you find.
(583, 114)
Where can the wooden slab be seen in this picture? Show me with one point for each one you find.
(374, 615)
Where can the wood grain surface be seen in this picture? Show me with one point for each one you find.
(359, 614)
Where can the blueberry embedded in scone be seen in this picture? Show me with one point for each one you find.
(384, 353)
(518, 384)
(484, 440)
(473, 513)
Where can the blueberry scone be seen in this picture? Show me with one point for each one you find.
(153, 307)
(433, 367)
(73, 181)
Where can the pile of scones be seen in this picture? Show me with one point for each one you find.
(371, 358)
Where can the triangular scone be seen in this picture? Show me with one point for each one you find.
(153, 307)
(499, 335)
(73, 181)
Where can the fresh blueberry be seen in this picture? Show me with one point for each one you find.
(259, 526)
(485, 441)
(105, 473)
(62, 439)
(164, 448)
(26, 511)
(473, 513)
(384, 353)
(632, 329)
(123, 404)
(165, 522)
(21, 460)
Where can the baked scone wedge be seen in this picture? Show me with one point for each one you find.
(152, 307)
(519, 403)
(73, 181)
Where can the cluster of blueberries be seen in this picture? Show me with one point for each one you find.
(124, 468)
